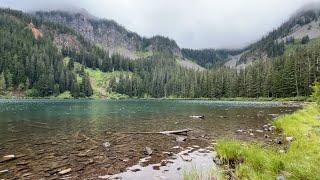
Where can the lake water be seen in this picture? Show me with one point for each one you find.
(57, 131)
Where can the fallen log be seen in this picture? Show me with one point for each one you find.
(176, 132)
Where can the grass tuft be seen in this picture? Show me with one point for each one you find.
(300, 161)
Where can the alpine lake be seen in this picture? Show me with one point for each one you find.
(105, 139)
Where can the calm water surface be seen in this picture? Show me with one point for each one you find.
(21, 118)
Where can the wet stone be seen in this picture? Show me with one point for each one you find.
(148, 151)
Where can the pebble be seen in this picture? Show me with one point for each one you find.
(106, 144)
(259, 131)
(148, 151)
(251, 134)
(278, 141)
(271, 128)
(186, 158)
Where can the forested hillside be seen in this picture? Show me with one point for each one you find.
(209, 57)
(29, 61)
(43, 58)
(303, 25)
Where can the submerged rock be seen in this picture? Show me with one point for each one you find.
(181, 139)
(106, 144)
(240, 130)
(66, 171)
(7, 158)
(148, 151)
(4, 171)
(156, 167)
(186, 157)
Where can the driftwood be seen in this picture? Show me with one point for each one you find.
(176, 132)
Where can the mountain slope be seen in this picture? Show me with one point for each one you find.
(110, 35)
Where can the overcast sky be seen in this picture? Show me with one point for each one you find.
(192, 23)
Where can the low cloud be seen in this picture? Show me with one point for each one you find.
(192, 23)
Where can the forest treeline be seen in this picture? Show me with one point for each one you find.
(289, 75)
(37, 67)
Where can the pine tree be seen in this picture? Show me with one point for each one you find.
(2, 83)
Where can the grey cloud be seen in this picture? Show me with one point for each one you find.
(192, 23)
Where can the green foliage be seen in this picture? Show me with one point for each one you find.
(64, 95)
(305, 39)
(300, 161)
(209, 57)
(2, 83)
(316, 92)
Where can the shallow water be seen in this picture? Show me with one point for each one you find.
(69, 133)
(35, 117)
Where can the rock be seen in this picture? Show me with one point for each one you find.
(135, 170)
(274, 115)
(265, 126)
(281, 151)
(214, 154)
(289, 139)
(280, 178)
(109, 177)
(66, 171)
(251, 134)
(176, 147)
(196, 146)
(266, 136)
(186, 158)
(217, 160)
(163, 163)
(181, 138)
(250, 130)
(203, 151)
(4, 171)
(148, 151)
(156, 167)
(199, 117)
(240, 130)
(278, 141)
(259, 131)
(272, 128)
(106, 144)
(7, 158)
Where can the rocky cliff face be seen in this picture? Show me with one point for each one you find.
(110, 35)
